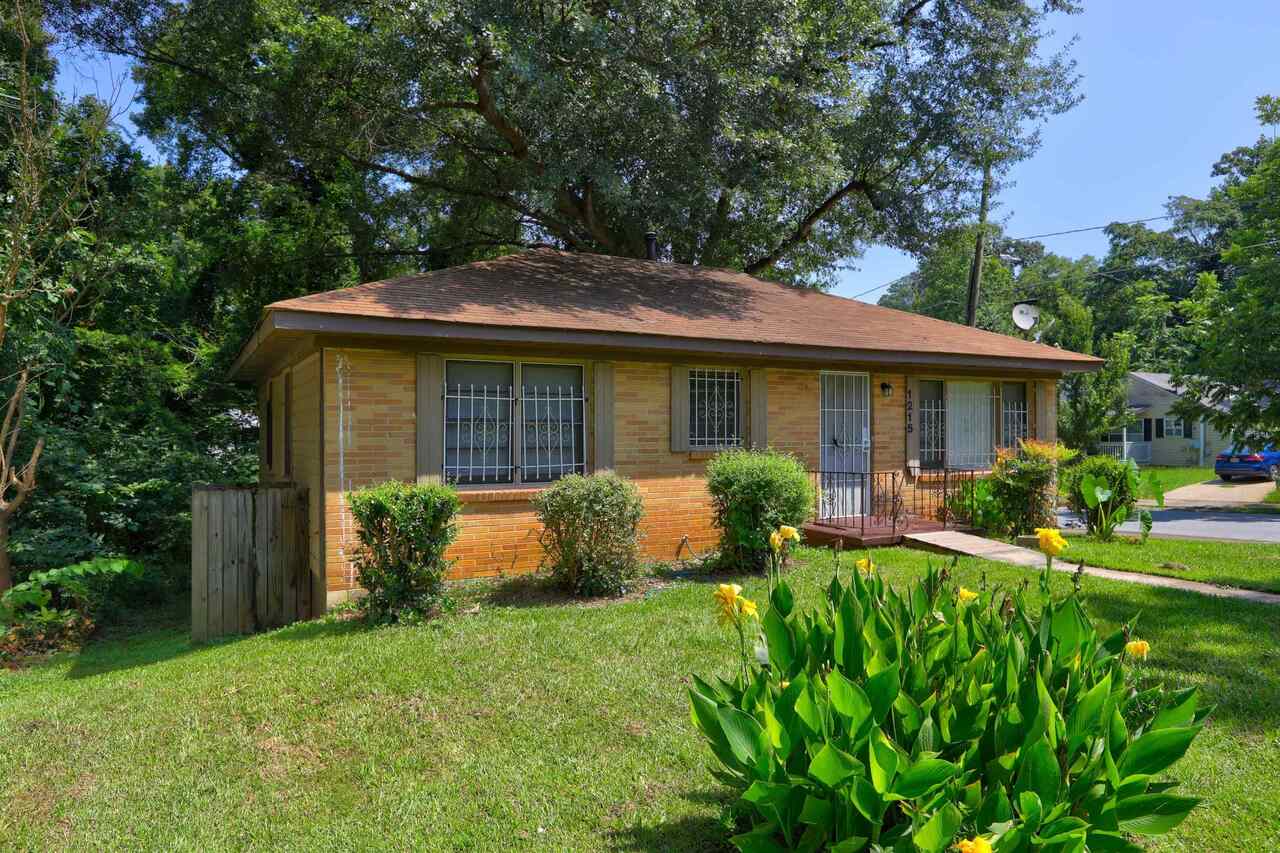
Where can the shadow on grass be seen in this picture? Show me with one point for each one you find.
(692, 834)
(1230, 647)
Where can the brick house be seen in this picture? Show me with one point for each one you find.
(500, 376)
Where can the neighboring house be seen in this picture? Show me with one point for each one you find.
(1157, 437)
(500, 376)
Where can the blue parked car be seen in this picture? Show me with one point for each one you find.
(1246, 462)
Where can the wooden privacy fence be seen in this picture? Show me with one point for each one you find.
(249, 559)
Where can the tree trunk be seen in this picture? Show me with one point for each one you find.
(6, 564)
(979, 249)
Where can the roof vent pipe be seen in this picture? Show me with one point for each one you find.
(651, 245)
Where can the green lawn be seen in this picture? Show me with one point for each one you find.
(1176, 478)
(527, 724)
(1273, 497)
(1251, 565)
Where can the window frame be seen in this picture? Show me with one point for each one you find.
(516, 427)
(742, 379)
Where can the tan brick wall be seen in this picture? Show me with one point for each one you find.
(672, 484)
(371, 395)
(889, 423)
(793, 413)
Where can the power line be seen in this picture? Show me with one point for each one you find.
(1093, 228)
(1105, 271)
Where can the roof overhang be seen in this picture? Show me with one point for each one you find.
(280, 332)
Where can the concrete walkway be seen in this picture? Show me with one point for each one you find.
(967, 545)
(1218, 493)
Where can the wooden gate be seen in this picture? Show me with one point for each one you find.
(249, 559)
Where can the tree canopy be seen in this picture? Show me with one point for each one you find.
(775, 138)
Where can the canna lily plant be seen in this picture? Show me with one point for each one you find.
(779, 541)
(914, 722)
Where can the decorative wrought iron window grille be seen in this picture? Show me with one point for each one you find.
(715, 408)
(492, 435)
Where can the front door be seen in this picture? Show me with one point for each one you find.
(845, 444)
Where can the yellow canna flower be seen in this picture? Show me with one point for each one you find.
(865, 565)
(977, 844)
(747, 607)
(966, 595)
(1051, 541)
(775, 541)
(726, 597)
(784, 684)
(786, 531)
(1137, 649)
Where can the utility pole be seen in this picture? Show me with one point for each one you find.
(980, 246)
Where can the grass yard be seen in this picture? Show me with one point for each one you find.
(530, 723)
(1251, 565)
(1273, 497)
(1176, 478)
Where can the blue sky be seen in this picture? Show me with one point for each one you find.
(1168, 87)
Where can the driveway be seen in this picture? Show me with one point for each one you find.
(1197, 524)
(1218, 493)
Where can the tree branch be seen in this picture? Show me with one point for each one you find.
(805, 227)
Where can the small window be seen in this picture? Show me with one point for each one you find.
(1174, 428)
(715, 408)
(553, 434)
(478, 404)
(1013, 410)
(933, 424)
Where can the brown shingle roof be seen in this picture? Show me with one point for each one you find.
(550, 290)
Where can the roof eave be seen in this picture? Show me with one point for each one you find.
(320, 323)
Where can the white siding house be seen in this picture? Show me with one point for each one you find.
(1157, 437)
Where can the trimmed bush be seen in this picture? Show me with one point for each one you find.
(918, 721)
(404, 531)
(753, 493)
(590, 532)
(1024, 484)
(1119, 475)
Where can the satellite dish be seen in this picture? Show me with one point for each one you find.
(1025, 315)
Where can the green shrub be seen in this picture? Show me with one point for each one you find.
(753, 493)
(1024, 485)
(404, 531)
(1120, 477)
(590, 532)
(910, 722)
(67, 590)
(976, 503)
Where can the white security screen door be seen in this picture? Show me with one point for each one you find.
(845, 444)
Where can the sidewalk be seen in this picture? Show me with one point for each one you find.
(967, 545)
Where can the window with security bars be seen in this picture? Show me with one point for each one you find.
(715, 408)
(494, 435)
(553, 433)
(1013, 413)
(932, 417)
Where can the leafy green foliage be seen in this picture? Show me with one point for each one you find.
(753, 493)
(1103, 489)
(776, 139)
(909, 721)
(60, 590)
(404, 531)
(590, 532)
(1023, 484)
(975, 503)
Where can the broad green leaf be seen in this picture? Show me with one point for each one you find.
(1181, 711)
(816, 811)
(866, 800)
(1153, 814)
(807, 710)
(937, 833)
(832, 766)
(782, 599)
(781, 645)
(883, 761)
(923, 776)
(882, 689)
(848, 700)
(1155, 751)
(1039, 773)
(849, 845)
(744, 734)
(758, 840)
(1086, 716)
(1110, 842)
(1030, 809)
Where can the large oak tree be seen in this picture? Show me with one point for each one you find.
(773, 137)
